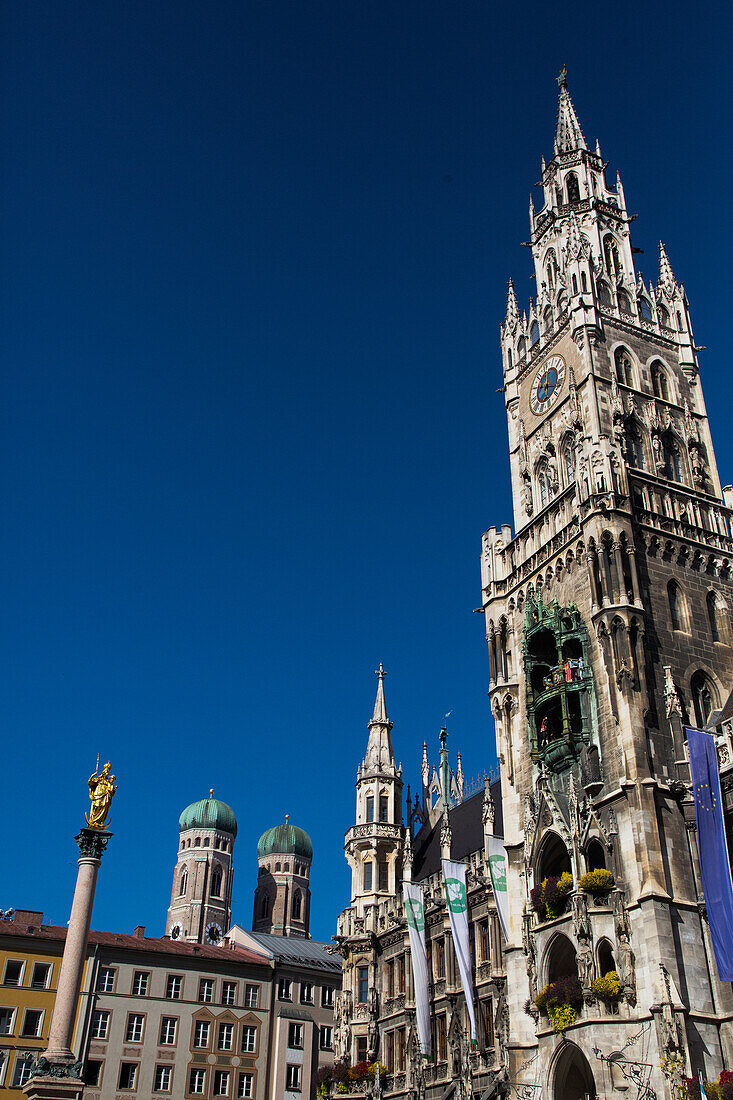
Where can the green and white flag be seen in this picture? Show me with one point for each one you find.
(497, 869)
(454, 877)
(415, 913)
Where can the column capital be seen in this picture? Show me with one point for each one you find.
(92, 843)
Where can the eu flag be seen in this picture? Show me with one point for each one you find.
(717, 884)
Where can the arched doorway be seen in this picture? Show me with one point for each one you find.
(573, 1076)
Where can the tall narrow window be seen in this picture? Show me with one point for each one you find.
(383, 875)
(297, 904)
(673, 595)
(183, 883)
(635, 445)
(569, 462)
(612, 258)
(572, 187)
(370, 807)
(672, 458)
(659, 382)
(534, 333)
(703, 701)
(712, 604)
(624, 370)
(363, 989)
(368, 876)
(644, 309)
(383, 807)
(216, 878)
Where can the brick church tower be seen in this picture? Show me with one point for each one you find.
(608, 626)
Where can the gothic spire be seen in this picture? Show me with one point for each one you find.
(569, 135)
(512, 308)
(667, 280)
(379, 755)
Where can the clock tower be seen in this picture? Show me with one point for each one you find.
(201, 899)
(608, 627)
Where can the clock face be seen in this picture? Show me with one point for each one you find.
(547, 384)
(213, 932)
(176, 931)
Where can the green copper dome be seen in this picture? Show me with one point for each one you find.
(286, 840)
(208, 813)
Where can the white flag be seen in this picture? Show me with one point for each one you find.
(454, 876)
(415, 913)
(497, 869)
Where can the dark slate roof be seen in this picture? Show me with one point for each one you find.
(468, 833)
(294, 949)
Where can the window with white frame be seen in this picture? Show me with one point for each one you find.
(251, 996)
(7, 1017)
(306, 993)
(173, 987)
(206, 990)
(221, 1082)
(295, 1036)
(106, 979)
(327, 996)
(100, 1024)
(140, 983)
(13, 972)
(32, 1023)
(245, 1086)
(201, 1033)
(134, 1030)
(128, 1075)
(292, 1078)
(197, 1082)
(168, 1027)
(229, 993)
(326, 1037)
(226, 1036)
(21, 1070)
(163, 1078)
(249, 1039)
(41, 976)
(285, 989)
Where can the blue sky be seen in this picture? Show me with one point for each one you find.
(253, 260)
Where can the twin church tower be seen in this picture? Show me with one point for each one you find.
(201, 899)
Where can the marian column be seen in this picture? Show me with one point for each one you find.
(57, 1075)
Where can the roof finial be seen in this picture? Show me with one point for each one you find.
(380, 671)
(380, 706)
(562, 78)
(287, 818)
(211, 792)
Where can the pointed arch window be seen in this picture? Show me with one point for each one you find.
(297, 904)
(572, 187)
(659, 381)
(568, 457)
(673, 466)
(635, 445)
(674, 598)
(624, 369)
(534, 333)
(544, 485)
(216, 881)
(521, 348)
(712, 606)
(703, 698)
(645, 309)
(611, 257)
(624, 302)
(604, 295)
(183, 883)
(265, 906)
(663, 315)
(547, 319)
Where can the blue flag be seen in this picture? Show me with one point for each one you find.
(717, 884)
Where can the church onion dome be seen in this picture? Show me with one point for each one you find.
(208, 813)
(285, 840)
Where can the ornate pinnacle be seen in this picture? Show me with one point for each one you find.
(667, 280)
(568, 135)
(512, 308)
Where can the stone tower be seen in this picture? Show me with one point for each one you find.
(282, 903)
(608, 627)
(374, 845)
(201, 900)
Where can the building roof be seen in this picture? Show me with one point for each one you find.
(208, 813)
(138, 941)
(466, 822)
(292, 949)
(286, 840)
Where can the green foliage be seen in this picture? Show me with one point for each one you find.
(561, 1017)
(608, 988)
(599, 881)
